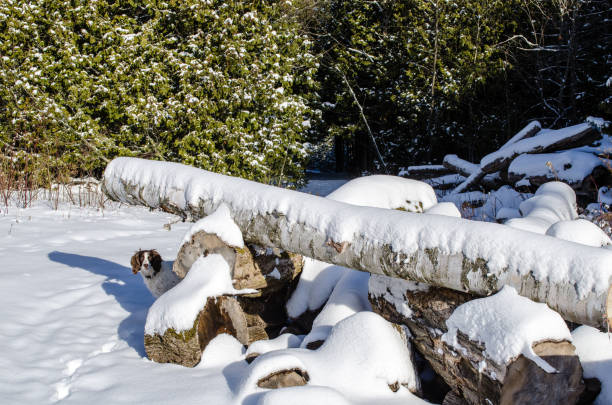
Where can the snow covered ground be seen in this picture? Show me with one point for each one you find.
(73, 318)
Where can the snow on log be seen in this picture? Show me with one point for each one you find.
(552, 202)
(456, 164)
(423, 172)
(445, 182)
(495, 350)
(571, 167)
(530, 130)
(467, 169)
(547, 140)
(442, 251)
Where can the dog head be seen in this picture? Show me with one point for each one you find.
(146, 261)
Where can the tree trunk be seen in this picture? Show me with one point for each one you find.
(471, 375)
(399, 244)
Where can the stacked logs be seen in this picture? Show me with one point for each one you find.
(531, 147)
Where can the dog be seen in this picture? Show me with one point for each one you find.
(156, 273)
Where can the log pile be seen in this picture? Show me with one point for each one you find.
(474, 377)
(324, 230)
(529, 159)
(271, 273)
(453, 278)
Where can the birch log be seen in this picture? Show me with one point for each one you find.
(468, 371)
(455, 253)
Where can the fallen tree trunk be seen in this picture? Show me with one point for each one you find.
(549, 141)
(473, 376)
(423, 172)
(454, 253)
(466, 169)
(529, 131)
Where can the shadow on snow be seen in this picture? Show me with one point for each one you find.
(128, 289)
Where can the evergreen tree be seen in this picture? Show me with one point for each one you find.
(221, 85)
(414, 66)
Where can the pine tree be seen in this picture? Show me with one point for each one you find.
(221, 85)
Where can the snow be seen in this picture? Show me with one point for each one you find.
(74, 316)
(220, 223)
(580, 231)
(222, 350)
(594, 348)
(352, 361)
(541, 140)
(393, 291)
(604, 195)
(284, 341)
(305, 395)
(317, 281)
(553, 202)
(570, 166)
(504, 197)
(490, 321)
(502, 248)
(350, 295)
(444, 208)
(178, 308)
(533, 125)
(390, 192)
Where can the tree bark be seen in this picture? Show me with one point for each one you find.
(470, 374)
(384, 242)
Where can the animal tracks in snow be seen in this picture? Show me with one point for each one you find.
(64, 386)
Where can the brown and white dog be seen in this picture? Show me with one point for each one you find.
(156, 273)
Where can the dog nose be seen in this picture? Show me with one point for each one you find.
(146, 266)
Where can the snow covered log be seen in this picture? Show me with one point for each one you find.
(466, 169)
(530, 130)
(423, 172)
(447, 252)
(581, 170)
(252, 267)
(548, 140)
(472, 365)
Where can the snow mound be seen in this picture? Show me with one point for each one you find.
(390, 192)
(444, 208)
(221, 224)
(317, 281)
(306, 395)
(350, 295)
(604, 196)
(594, 348)
(222, 350)
(570, 166)
(508, 325)
(284, 341)
(553, 202)
(353, 361)
(580, 231)
(178, 307)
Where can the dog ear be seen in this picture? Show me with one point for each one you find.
(136, 261)
(156, 260)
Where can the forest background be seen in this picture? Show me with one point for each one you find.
(265, 89)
